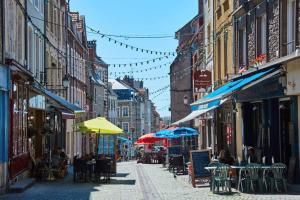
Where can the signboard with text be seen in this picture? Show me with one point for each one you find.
(202, 80)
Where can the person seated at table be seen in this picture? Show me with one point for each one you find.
(225, 157)
(55, 158)
(251, 157)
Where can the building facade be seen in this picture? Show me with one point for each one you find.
(98, 70)
(266, 34)
(112, 105)
(77, 70)
(15, 58)
(181, 74)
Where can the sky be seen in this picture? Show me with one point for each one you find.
(138, 17)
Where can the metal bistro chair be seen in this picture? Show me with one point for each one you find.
(279, 170)
(178, 165)
(254, 176)
(103, 168)
(221, 178)
(213, 173)
(80, 170)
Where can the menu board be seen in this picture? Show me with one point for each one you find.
(200, 159)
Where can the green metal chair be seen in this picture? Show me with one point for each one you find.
(278, 170)
(221, 178)
(254, 176)
(213, 173)
(267, 179)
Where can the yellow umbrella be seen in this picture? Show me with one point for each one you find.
(99, 125)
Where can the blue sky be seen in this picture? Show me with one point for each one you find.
(138, 17)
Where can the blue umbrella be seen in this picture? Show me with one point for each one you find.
(165, 133)
(185, 131)
(123, 139)
(176, 133)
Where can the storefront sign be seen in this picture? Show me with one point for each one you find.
(270, 88)
(202, 80)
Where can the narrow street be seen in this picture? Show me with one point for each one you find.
(134, 182)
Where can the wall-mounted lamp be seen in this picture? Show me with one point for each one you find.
(185, 100)
(66, 81)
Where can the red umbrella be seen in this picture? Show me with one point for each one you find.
(148, 139)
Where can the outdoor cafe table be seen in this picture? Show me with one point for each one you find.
(241, 169)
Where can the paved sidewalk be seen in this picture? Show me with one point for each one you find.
(133, 182)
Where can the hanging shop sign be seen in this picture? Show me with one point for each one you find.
(202, 80)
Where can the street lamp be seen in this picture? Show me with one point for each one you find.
(66, 81)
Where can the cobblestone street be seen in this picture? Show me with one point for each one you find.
(133, 181)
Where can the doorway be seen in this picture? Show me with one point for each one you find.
(285, 131)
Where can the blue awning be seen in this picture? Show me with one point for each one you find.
(64, 102)
(61, 101)
(215, 97)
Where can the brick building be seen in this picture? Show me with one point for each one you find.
(181, 75)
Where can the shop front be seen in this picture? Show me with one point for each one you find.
(18, 141)
(220, 105)
(269, 121)
(4, 122)
(293, 89)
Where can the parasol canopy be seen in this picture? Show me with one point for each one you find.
(98, 125)
(175, 132)
(148, 139)
(123, 139)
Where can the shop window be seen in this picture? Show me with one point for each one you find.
(106, 145)
(19, 123)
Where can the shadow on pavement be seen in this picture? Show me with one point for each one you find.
(121, 182)
(121, 175)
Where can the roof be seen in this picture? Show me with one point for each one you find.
(117, 85)
(100, 61)
(96, 78)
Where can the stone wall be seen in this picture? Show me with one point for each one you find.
(274, 30)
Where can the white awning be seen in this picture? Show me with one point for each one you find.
(194, 115)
